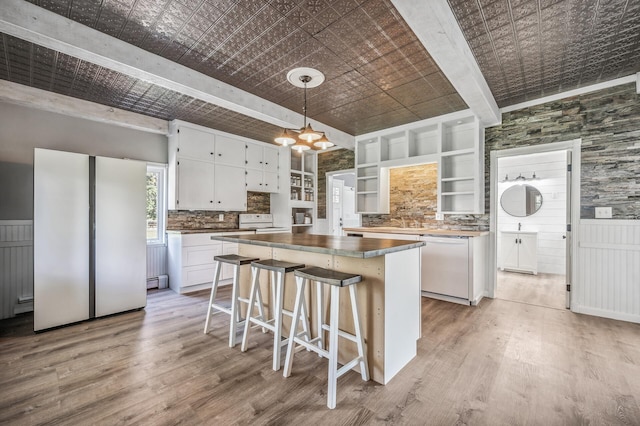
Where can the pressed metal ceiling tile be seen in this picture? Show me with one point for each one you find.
(557, 45)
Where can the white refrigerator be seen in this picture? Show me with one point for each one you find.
(89, 237)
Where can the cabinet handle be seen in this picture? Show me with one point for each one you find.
(211, 201)
(516, 241)
(219, 155)
(211, 153)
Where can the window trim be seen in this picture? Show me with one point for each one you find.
(161, 169)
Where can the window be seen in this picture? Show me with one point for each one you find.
(156, 212)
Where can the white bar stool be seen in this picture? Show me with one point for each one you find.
(278, 271)
(336, 280)
(235, 322)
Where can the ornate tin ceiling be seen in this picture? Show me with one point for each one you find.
(378, 74)
(527, 49)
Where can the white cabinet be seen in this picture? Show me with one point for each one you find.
(519, 251)
(455, 143)
(262, 168)
(206, 170)
(191, 264)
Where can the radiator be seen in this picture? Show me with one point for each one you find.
(608, 281)
(16, 267)
(156, 261)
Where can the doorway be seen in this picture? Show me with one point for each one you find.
(341, 200)
(533, 205)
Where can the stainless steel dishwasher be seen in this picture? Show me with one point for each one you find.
(445, 266)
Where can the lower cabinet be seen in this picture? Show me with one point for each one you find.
(519, 251)
(191, 264)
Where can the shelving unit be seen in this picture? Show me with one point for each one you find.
(455, 142)
(303, 191)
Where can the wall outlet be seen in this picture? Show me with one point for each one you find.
(603, 212)
(220, 217)
(439, 216)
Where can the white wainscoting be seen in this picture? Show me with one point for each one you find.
(156, 260)
(16, 267)
(608, 282)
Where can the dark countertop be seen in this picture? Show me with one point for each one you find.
(208, 230)
(326, 244)
(419, 231)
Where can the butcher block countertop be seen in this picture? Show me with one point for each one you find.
(419, 231)
(326, 244)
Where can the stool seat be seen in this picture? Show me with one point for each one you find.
(278, 269)
(277, 265)
(328, 276)
(234, 259)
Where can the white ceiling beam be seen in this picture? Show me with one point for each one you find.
(436, 27)
(18, 94)
(26, 21)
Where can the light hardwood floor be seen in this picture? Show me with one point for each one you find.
(501, 363)
(547, 290)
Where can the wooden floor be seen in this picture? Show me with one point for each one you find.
(548, 290)
(501, 363)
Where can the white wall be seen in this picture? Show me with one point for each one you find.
(550, 220)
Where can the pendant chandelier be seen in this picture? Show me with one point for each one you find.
(306, 137)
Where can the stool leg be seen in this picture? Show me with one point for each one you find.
(304, 317)
(214, 290)
(235, 312)
(258, 301)
(288, 362)
(364, 365)
(252, 299)
(278, 301)
(320, 314)
(333, 347)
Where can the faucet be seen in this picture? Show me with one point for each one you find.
(519, 226)
(400, 221)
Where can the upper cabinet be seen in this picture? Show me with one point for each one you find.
(262, 167)
(210, 170)
(455, 142)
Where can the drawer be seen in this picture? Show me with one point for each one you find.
(200, 255)
(199, 240)
(194, 275)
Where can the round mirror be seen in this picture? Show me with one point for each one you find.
(521, 200)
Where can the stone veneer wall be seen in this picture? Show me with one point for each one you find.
(608, 121)
(331, 161)
(257, 202)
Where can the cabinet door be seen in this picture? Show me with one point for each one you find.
(528, 252)
(195, 185)
(270, 181)
(195, 144)
(230, 188)
(254, 181)
(509, 251)
(270, 158)
(230, 151)
(254, 156)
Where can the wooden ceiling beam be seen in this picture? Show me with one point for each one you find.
(29, 22)
(19, 94)
(436, 27)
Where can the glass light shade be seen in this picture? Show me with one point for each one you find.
(309, 135)
(299, 147)
(285, 138)
(323, 142)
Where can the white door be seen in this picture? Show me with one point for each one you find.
(121, 241)
(230, 188)
(61, 238)
(528, 252)
(337, 188)
(254, 156)
(270, 158)
(196, 144)
(230, 151)
(195, 185)
(509, 251)
(254, 180)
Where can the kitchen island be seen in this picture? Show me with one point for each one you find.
(388, 296)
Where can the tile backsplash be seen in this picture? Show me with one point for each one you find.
(257, 202)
